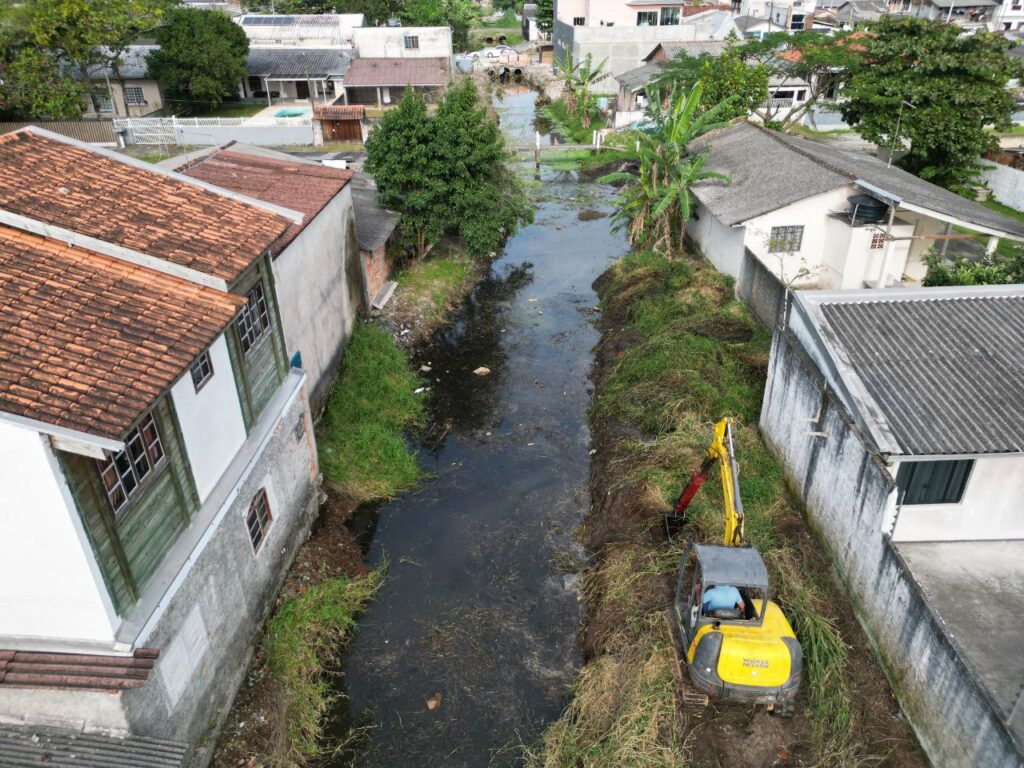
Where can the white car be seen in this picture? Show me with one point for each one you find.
(494, 52)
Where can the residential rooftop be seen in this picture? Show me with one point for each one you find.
(291, 183)
(89, 342)
(770, 170)
(297, 63)
(925, 371)
(123, 202)
(374, 222)
(693, 48)
(295, 29)
(397, 72)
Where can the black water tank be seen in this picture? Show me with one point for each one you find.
(867, 208)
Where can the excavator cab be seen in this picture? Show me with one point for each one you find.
(741, 649)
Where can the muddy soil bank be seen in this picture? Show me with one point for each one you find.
(253, 731)
(624, 513)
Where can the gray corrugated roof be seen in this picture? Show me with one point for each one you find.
(374, 223)
(946, 372)
(32, 747)
(770, 170)
(739, 566)
(641, 76)
(743, 23)
(297, 62)
(692, 48)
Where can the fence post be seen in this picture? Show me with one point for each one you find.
(536, 149)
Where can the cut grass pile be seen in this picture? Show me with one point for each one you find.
(303, 639)
(363, 452)
(688, 354)
(429, 289)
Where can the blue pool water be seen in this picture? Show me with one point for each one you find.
(292, 112)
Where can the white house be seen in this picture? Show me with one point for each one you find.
(788, 212)
(790, 15)
(898, 415)
(317, 273)
(756, 27)
(158, 468)
(300, 72)
(622, 34)
(403, 42)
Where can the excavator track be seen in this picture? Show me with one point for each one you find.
(691, 699)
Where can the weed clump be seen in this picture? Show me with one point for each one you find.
(303, 639)
(363, 452)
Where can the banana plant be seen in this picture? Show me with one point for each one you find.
(657, 201)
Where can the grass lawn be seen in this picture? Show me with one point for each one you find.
(1006, 210)
(508, 21)
(363, 452)
(428, 289)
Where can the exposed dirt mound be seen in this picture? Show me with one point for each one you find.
(589, 214)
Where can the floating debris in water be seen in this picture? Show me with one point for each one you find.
(483, 370)
(434, 702)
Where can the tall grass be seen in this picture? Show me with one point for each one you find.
(363, 452)
(430, 288)
(304, 638)
(694, 355)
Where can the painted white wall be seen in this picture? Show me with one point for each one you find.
(211, 420)
(314, 293)
(721, 245)
(389, 42)
(50, 587)
(1006, 183)
(991, 507)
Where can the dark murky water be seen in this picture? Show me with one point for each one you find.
(480, 606)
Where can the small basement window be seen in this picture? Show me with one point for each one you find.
(258, 520)
(202, 370)
(412, 43)
(254, 320)
(122, 474)
(785, 239)
(933, 482)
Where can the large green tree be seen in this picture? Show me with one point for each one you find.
(400, 155)
(49, 47)
(446, 174)
(955, 84)
(656, 201)
(728, 76)
(201, 56)
(460, 15)
(545, 16)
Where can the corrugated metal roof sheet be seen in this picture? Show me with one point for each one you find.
(639, 77)
(946, 373)
(297, 62)
(374, 223)
(32, 747)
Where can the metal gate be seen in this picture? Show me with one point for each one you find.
(148, 130)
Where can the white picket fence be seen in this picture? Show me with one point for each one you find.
(214, 130)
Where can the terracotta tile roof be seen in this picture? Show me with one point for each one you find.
(373, 72)
(300, 186)
(89, 342)
(93, 194)
(31, 669)
(338, 111)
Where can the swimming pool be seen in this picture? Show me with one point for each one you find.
(293, 112)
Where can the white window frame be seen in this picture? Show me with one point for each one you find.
(132, 101)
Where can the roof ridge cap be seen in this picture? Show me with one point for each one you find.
(776, 136)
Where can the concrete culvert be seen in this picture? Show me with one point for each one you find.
(489, 40)
(502, 39)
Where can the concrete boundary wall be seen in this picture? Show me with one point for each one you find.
(847, 493)
(761, 290)
(1006, 183)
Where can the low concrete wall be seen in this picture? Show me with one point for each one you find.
(847, 492)
(260, 135)
(208, 630)
(1006, 183)
(761, 290)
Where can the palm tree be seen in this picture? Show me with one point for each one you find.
(656, 202)
(577, 80)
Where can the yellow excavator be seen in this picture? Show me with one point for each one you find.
(738, 644)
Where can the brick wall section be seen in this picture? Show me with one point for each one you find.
(377, 270)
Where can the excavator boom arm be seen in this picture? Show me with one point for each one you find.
(720, 452)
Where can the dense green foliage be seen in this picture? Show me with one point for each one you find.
(578, 78)
(363, 452)
(545, 15)
(303, 639)
(460, 15)
(956, 84)
(656, 202)
(48, 46)
(446, 173)
(201, 55)
(728, 76)
(994, 269)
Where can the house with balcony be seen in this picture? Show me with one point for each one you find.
(159, 468)
(622, 34)
(802, 214)
(972, 15)
(898, 416)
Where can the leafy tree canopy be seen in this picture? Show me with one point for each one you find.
(460, 15)
(723, 77)
(545, 15)
(446, 173)
(201, 55)
(956, 84)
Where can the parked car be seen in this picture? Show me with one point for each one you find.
(494, 52)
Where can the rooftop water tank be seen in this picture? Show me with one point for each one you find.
(867, 209)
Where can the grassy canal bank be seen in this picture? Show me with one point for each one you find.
(278, 716)
(678, 351)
